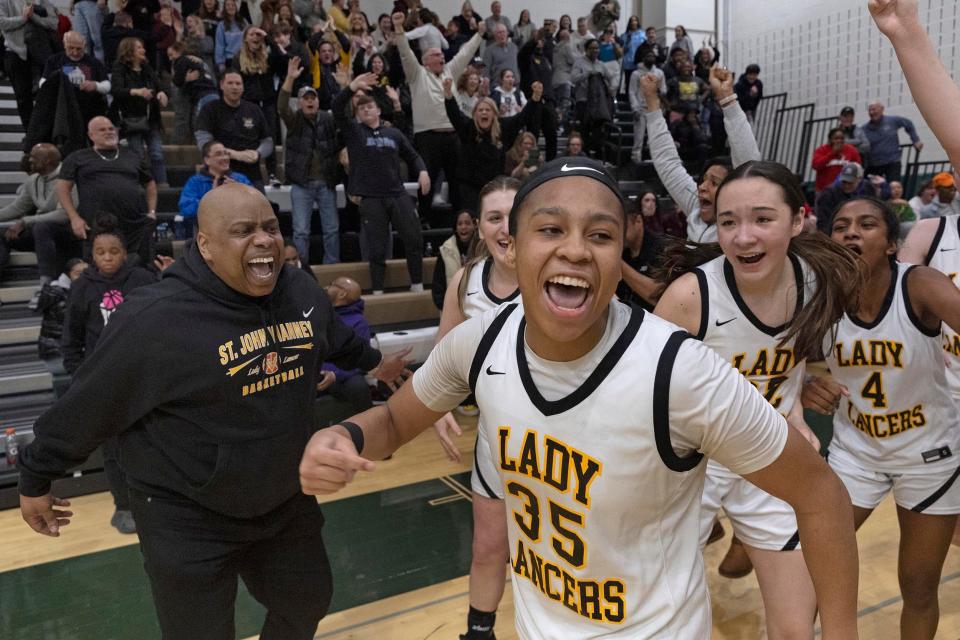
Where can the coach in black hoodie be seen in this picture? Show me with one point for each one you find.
(208, 378)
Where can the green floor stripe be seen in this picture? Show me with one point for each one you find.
(380, 545)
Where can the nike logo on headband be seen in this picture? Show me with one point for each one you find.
(565, 168)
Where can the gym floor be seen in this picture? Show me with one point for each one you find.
(399, 540)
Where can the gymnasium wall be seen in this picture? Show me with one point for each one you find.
(829, 52)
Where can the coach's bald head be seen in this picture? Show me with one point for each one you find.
(239, 238)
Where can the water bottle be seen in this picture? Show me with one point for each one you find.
(10, 447)
(428, 251)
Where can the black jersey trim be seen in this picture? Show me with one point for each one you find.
(930, 333)
(938, 236)
(661, 407)
(887, 301)
(704, 303)
(742, 304)
(485, 277)
(489, 336)
(936, 495)
(594, 380)
(476, 467)
(792, 542)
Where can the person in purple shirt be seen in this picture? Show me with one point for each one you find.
(349, 386)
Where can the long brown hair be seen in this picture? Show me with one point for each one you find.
(480, 252)
(494, 130)
(838, 271)
(126, 49)
(252, 62)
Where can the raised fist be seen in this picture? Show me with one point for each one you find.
(894, 17)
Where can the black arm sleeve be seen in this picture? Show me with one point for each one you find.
(339, 109)
(411, 157)
(511, 126)
(439, 288)
(459, 121)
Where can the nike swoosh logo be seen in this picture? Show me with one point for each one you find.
(306, 314)
(470, 293)
(565, 168)
(720, 324)
(491, 372)
(950, 249)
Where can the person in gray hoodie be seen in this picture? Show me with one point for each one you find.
(698, 200)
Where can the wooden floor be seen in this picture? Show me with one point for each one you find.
(439, 611)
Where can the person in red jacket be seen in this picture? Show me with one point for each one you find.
(829, 159)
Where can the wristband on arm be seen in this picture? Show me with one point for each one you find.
(356, 434)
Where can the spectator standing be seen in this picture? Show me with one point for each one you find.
(428, 34)
(881, 130)
(484, 140)
(347, 385)
(749, 90)
(116, 32)
(35, 220)
(653, 45)
(310, 163)
(21, 22)
(455, 40)
(705, 58)
(193, 80)
(215, 172)
(375, 152)
(536, 66)
(923, 204)
(595, 84)
(853, 133)
(686, 92)
(581, 36)
(947, 201)
(849, 185)
(325, 78)
(630, 41)
(229, 36)
(94, 298)
(434, 135)
(829, 159)
(500, 54)
(469, 91)
(87, 20)
(603, 15)
(564, 57)
(259, 64)
(84, 72)
(509, 98)
(641, 249)
(338, 14)
(53, 306)
(496, 18)
(610, 50)
(209, 12)
(137, 99)
(110, 180)
(682, 41)
(453, 254)
(198, 43)
(142, 12)
(383, 35)
(657, 222)
(672, 68)
(467, 20)
(239, 125)
(638, 103)
(524, 29)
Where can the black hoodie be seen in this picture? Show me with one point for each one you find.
(210, 391)
(94, 298)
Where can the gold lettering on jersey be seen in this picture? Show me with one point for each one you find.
(560, 465)
(870, 353)
(767, 371)
(260, 339)
(602, 601)
(272, 381)
(886, 425)
(951, 343)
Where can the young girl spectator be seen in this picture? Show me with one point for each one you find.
(470, 89)
(830, 159)
(878, 445)
(138, 99)
(94, 297)
(523, 29)
(682, 41)
(509, 98)
(229, 36)
(484, 139)
(766, 289)
(523, 158)
(453, 254)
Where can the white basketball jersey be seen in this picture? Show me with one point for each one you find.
(900, 415)
(603, 533)
(944, 256)
(478, 298)
(729, 327)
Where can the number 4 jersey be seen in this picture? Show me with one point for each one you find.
(600, 461)
(899, 415)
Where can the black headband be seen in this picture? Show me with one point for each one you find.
(567, 168)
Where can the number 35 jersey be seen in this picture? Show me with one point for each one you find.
(600, 461)
(899, 415)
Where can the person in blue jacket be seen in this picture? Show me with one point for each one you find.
(215, 172)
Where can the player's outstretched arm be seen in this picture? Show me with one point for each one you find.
(934, 91)
(335, 454)
(825, 520)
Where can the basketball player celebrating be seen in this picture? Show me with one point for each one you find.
(896, 426)
(484, 283)
(598, 417)
(764, 305)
